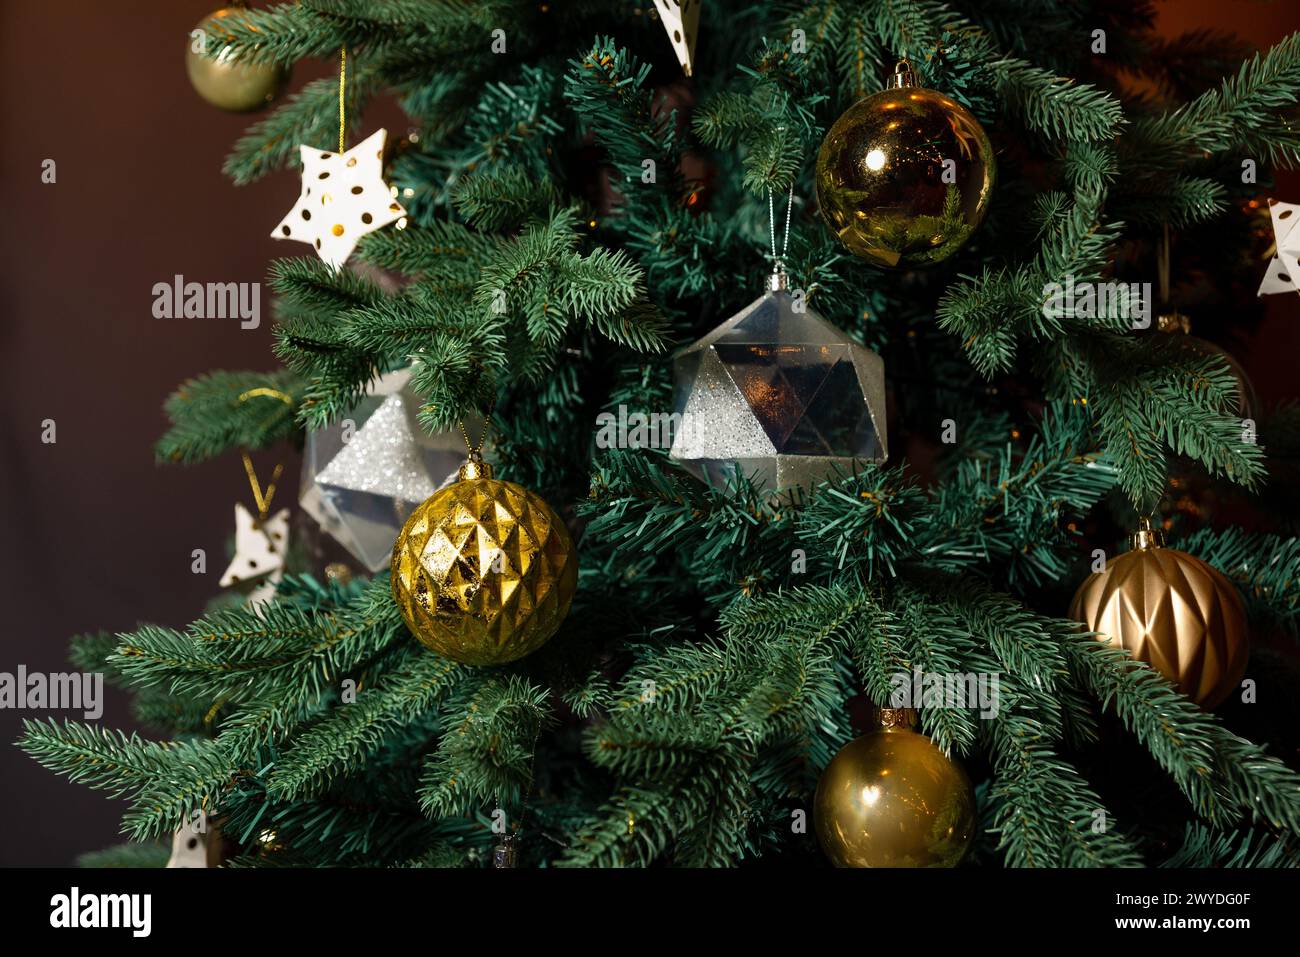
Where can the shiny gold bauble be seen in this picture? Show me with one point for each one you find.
(891, 798)
(884, 184)
(484, 571)
(1173, 611)
(229, 84)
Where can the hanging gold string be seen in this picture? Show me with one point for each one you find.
(343, 76)
(487, 424)
(262, 499)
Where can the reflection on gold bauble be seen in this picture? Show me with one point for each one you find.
(226, 83)
(885, 184)
(484, 571)
(892, 799)
(1173, 611)
(1178, 324)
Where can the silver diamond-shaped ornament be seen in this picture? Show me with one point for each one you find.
(363, 475)
(779, 394)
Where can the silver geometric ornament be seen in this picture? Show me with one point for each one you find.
(363, 475)
(778, 393)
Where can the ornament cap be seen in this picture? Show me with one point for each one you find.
(891, 719)
(1174, 322)
(903, 75)
(474, 468)
(505, 854)
(1147, 536)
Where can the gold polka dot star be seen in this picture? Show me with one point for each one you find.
(343, 198)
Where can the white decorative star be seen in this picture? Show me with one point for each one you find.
(1283, 273)
(259, 553)
(343, 198)
(681, 20)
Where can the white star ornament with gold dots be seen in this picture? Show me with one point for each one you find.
(343, 198)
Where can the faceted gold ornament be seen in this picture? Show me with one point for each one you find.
(1173, 611)
(905, 176)
(484, 571)
(891, 798)
(230, 84)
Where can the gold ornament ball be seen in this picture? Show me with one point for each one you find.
(484, 571)
(1177, 324)
(1173, 611)
(229, 84)
(905, 176)
(891, 798)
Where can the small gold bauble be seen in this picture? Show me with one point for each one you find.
(905, 176)
(891, 798)
(230, 84)
(1173, 611)
(1176, 323)
(484, 571)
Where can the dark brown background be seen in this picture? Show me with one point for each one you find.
(95, 535)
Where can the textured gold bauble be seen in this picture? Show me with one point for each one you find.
(1173, 611)
(229, 84)
(891, 798)
(905, 176)
(484, 571)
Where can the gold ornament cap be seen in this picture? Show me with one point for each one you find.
(903, 75)
(474, 468)
(1147, 536)
(894, 719)
(1174, 322)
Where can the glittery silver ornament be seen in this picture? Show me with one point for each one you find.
(780, 394)
(364, 474)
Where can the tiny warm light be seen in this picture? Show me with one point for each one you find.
(875, 160)
(408, 192)
(870, 795)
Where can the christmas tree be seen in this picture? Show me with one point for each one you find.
(587, 189)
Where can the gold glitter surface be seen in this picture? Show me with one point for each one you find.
(484, 572)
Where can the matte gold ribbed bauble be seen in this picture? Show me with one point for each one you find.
(905, 176)
(484, 571)
(892, 799)
(1173, 611)
(231, 84)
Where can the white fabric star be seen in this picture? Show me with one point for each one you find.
(343, 198)
(1283, 274)
(259, 553)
